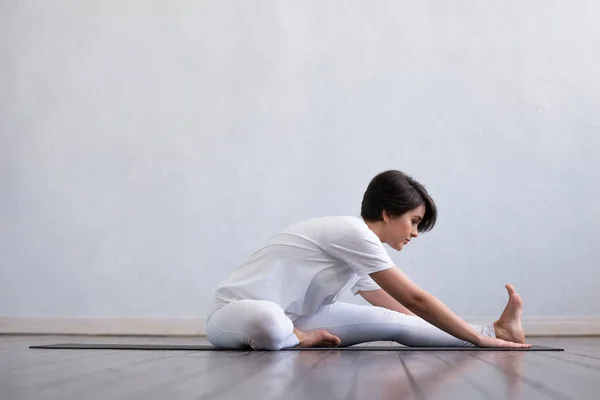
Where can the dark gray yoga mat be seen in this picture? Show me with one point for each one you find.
(203, 347)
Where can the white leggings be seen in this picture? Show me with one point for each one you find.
(263, 325)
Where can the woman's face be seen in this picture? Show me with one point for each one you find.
(400, 230)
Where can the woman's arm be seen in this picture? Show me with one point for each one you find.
(425, 305)
(380, 298)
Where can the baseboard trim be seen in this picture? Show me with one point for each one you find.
(180, 326)
(191, 326)
(544, 326)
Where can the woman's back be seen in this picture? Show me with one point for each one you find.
(307, 265)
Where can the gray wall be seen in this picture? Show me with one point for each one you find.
(147, 148)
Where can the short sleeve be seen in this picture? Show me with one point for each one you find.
(362, 251)
(366, 284)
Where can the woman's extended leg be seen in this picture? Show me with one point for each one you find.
(355, 324)
(358, 324)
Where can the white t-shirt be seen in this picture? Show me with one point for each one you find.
(308, 266)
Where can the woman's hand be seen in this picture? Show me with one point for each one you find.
(485, 341)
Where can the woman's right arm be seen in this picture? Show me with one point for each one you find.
(424, 304)
(430, 308)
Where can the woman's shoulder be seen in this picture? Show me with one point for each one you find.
(330, 226)
(335, 220)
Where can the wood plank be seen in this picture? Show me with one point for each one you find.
(248, 379)
(380, 375)
(281, 377)
(67, 373)
(235, 375)
(142, 378)
(184, 376)
(588, 355)
(583, 360)
(535, 372)
(581, 375)
(431, 377)
(40, 361)
(506, 383)
(329, 377)
(585, 344)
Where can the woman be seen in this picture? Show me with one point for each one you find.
(285, 294)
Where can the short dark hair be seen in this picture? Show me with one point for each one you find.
(397, 193)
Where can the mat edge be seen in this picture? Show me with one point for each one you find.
(194, 326)
(114, 346)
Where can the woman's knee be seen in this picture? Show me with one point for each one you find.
(269, 330)
(260, 324)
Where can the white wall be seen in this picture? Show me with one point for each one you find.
(147, 148)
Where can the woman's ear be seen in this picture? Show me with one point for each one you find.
(386, 216)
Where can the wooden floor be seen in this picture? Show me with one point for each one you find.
(117, 374)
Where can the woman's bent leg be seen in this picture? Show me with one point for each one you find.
(358, 324)
(259, 324)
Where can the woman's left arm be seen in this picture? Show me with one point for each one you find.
(380, 298)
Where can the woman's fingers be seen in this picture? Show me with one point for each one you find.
(494, 342)
(333, 339)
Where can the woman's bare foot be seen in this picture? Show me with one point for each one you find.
(508, 327)
(319, 338)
